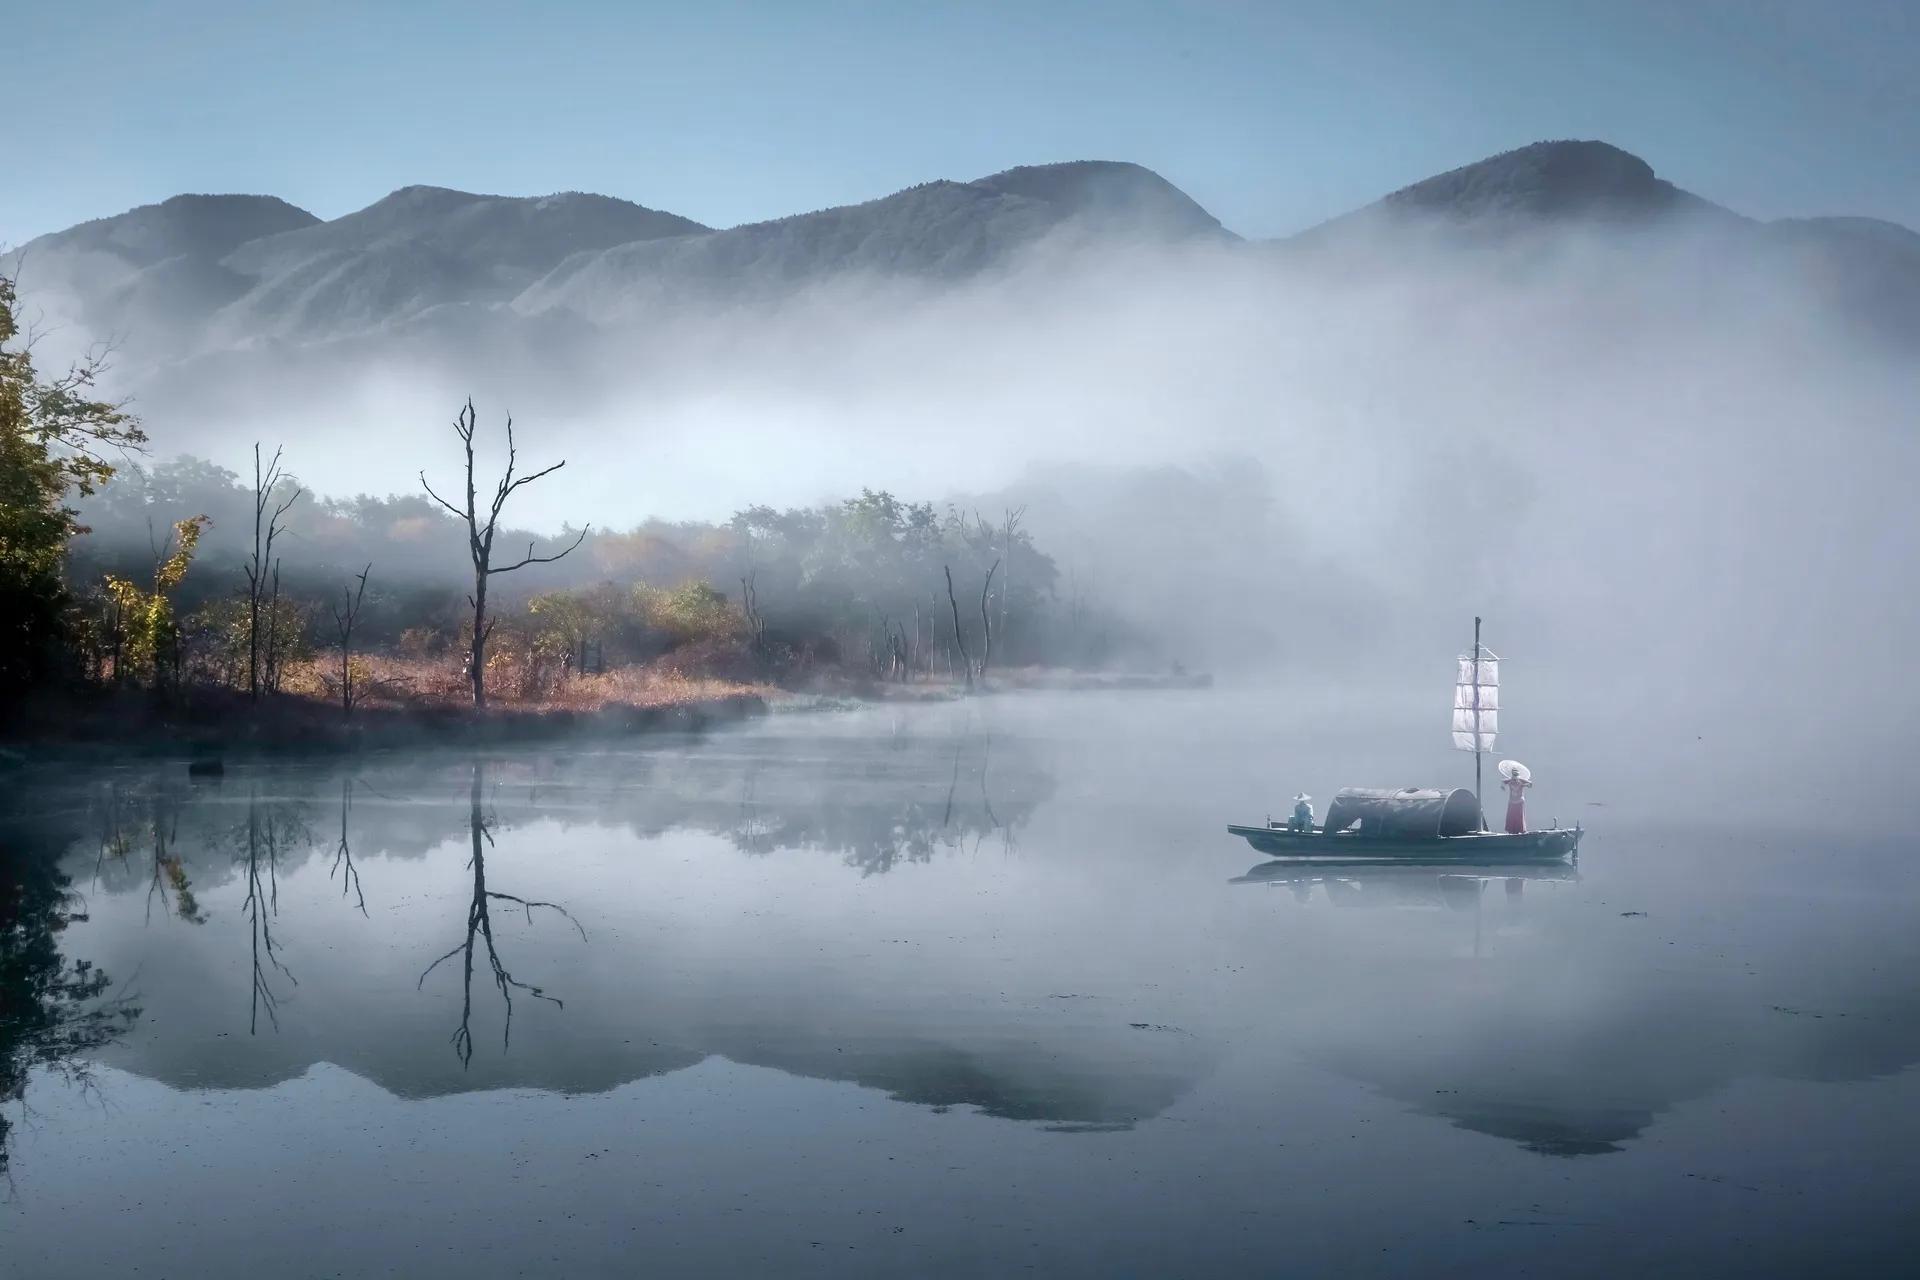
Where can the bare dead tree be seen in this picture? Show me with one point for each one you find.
(935, 649)
(986, 620)
(959, 637)
(750, 607)
(261, 564)
(345, 614)
(750, 599)
(480, 540)
(1014, 515)
(273, 655)
(1076, 616)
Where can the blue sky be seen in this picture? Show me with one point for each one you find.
(1272, 115)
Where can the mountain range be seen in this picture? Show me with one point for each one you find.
(199, 276)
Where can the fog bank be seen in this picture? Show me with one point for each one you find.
(1670, 479)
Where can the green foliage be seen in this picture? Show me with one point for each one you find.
(73, 430)
(691, 612)
(565, 625)
(577, 627)
(216, 636)
(149, 637)
(54, 438)
(869, 573)
(51, 440)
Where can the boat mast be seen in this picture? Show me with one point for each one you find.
(1478, 806)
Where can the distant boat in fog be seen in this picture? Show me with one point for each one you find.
(1425, 823)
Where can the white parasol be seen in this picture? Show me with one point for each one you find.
(1511, 769)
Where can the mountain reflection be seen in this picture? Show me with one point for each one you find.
(1580, 1053)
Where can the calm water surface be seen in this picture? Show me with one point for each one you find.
(965, 989)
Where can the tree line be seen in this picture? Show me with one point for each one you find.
(180, 573)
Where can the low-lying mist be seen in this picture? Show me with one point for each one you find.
(1676, 484)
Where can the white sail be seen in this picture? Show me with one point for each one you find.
(1476, 702)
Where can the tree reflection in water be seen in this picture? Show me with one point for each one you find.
(148, 815)
(262, 905)
(343, 854)
(54, 1012)
(480, 924)
(877, 820)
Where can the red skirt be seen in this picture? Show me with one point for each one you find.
(1516, 817)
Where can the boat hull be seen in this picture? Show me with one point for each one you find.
(1486, 846)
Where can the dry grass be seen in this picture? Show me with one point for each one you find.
(645, 687)
(404, 703)
(401, 683)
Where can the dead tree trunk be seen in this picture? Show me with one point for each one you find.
(480, 541)
(1014, 516)
(986, 621)
(272, 681)
(959, 638)
(261, 564)
(750, 608)
(345, 614)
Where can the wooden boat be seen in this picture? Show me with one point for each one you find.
(1427, 825)
(1277, 840)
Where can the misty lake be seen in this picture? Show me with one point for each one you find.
(960, 988)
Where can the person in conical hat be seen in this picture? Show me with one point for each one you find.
(1302, 812)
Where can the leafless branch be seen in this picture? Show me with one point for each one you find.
(436, 964)
(534, 559)
(343, 856)
(551, 906)
(437, 498)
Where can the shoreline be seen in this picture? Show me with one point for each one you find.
(105, 726)
(292, 727)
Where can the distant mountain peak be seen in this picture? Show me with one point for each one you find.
(938, 230)
(189, 223)
(420, 196)
(1108, 191)
(1545, 179)
(207, 201)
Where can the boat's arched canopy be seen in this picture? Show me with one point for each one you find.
(1410, 813)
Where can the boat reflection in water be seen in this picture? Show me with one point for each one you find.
(1371, 882)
